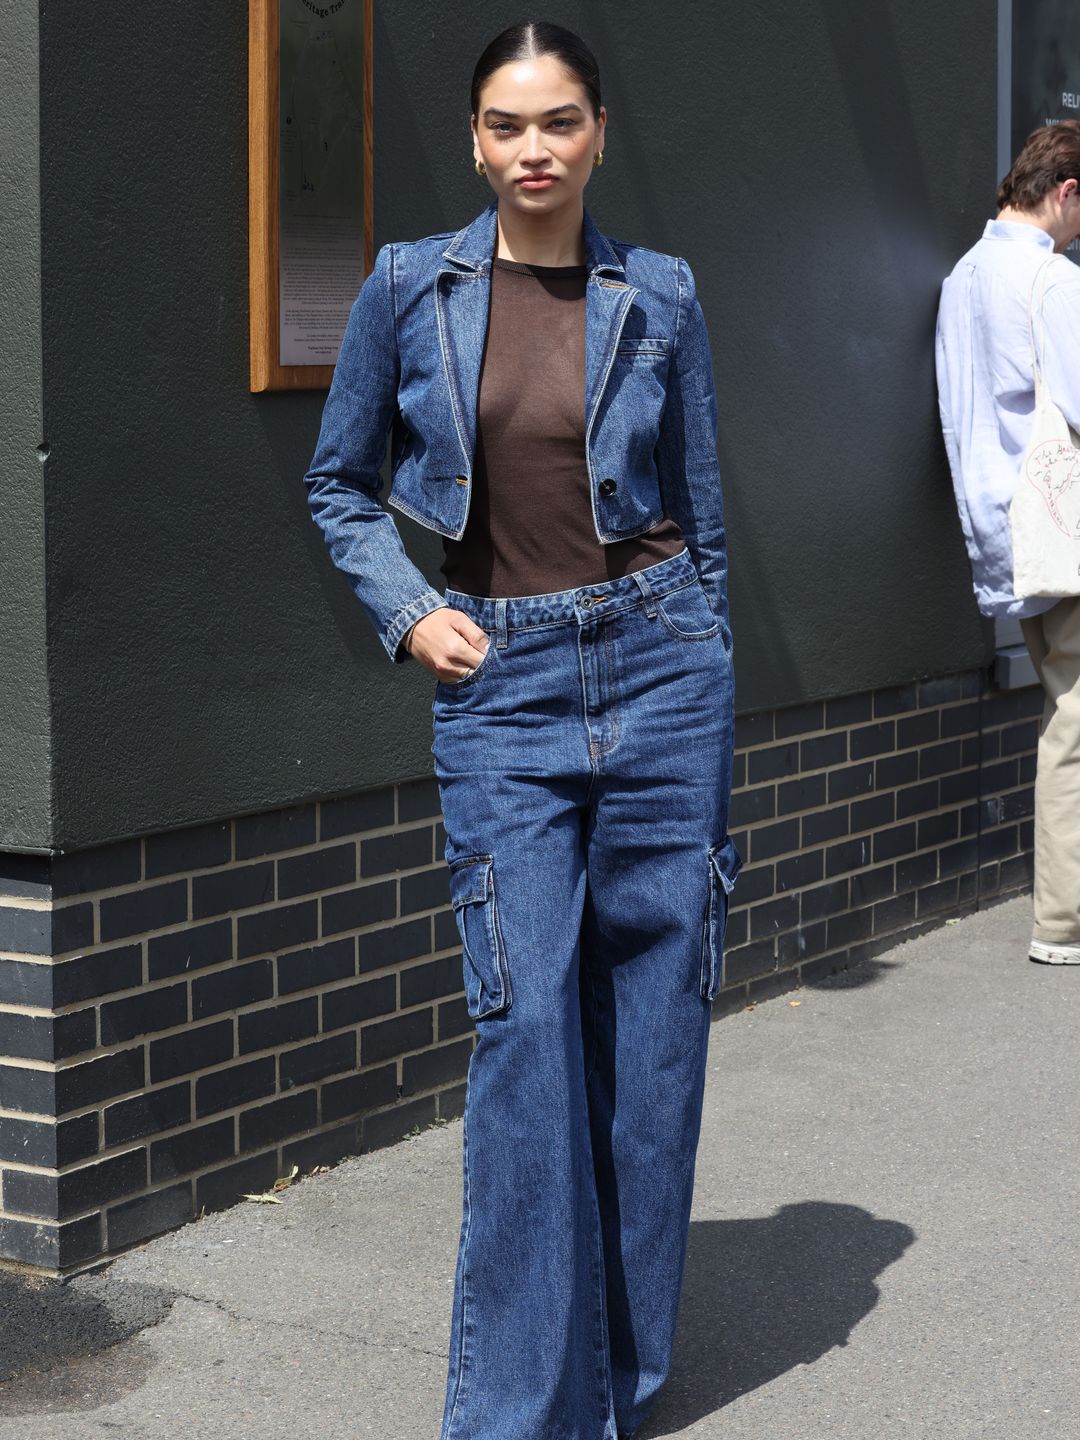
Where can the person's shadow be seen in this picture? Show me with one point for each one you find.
(762, 1296)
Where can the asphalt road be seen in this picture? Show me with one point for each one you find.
(884, 1244)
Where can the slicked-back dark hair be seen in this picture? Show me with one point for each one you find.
(528, 40)
(1051, 155)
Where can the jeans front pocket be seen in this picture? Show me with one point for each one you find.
(487, 979)
(724, 866)
(687, 613)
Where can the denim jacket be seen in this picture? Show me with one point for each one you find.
(409, 367)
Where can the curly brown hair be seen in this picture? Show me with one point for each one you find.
(1051, 155)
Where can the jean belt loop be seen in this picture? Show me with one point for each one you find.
(500, 625)
(646, 594)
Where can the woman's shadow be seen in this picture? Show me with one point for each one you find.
(762, 1296)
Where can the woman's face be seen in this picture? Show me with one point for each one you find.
(536, 135)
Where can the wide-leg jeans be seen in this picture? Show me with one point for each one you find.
(585, 771)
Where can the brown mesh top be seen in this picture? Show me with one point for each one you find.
(530, 527)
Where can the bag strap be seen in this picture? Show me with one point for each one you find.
(1038, 352)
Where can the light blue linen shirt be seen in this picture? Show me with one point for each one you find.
(986, 388)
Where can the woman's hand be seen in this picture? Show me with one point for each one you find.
(447, 643)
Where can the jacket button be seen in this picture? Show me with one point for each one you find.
(607, 487)
(461, 479)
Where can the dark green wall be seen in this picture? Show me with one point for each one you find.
(820, 166)
(24, 691)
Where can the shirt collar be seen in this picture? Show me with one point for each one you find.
(1017, 230)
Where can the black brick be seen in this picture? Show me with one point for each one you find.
(770, 840)
(824, 900)
(737, 931)
(352, 909)
(799, 720)
(956, 788)
(851, 781)
(61, 1196)
(1020, 737)
(358, 1093)
(429, 982)
(394, 945)
(282, 928)
(900, 840)
(960, 719)
(806, 793)
(140, 910)
(823, 751)
(748, 960)
(893, 770)
(236, 889)
(873, 739)
(316, 870)
(848, 710)
(798, 871)
(749, 806)
(28, 1090)
(938, 829)
(937, 759)
(276, 830)
(403, 850)
(774, 915)
(446, 931)
(318, 965)
(144, 1013)
(947, 689)
(916, 798)
(196, 848)
(768, 987)
(278, 1025)
(97, 869)
(232, 988)
(894, 914)
(25, 932)
(1030, 701)
(353, 1003)
(771, 763)
(236, 1085)
(1001, 707)
(148, 1114)
(148, 1215)
(896, 700)
(390, 1126)
(1018, 805)
(24, 983)
(192, 1149)
(314, 1062)
(44, 1037)
(826, 825)
(935, 898)
(418, 800)
(1026, 775)
(279, 1120)
(870, 885)
(51, 1247)
(990, 744)
(923, 728)
(754, 729)
(454, 1018)
(99, 973)
(916, 871)
(738, 771)
(40, 1142)
(191, 949)
(192, 1049)
(80, 1085)
(848, 855)
(435, 1067)
(847, 929)
(352, 814)
(425, 891)
(386, 1038)
(757, 882)
(25, 876)
(223, 1187)
(996, 844)
(326, 1148)
(873, 812)
(1019, 870)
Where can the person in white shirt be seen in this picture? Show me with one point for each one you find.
(986, 391)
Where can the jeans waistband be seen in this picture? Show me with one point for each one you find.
(575, 607)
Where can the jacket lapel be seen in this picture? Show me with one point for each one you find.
(462, 298)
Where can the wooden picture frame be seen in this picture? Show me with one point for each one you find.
(265, 243)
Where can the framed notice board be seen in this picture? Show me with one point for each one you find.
(1045, 70)
(309, 185)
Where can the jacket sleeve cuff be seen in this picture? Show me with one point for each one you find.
(405, 619)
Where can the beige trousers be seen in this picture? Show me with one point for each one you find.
(1053, 641)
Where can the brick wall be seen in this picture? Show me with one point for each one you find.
(186, 1016)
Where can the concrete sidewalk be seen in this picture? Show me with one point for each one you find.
(884, 1244)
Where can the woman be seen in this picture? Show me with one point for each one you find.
(550, 400)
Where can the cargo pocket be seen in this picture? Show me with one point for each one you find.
(724, 866)
(487, 980)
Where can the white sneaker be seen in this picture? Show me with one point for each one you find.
(1049, 954)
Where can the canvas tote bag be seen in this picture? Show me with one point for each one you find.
(1045, 510)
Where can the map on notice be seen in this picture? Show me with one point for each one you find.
(321, 177)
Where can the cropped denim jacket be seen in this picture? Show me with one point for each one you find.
(409, 368)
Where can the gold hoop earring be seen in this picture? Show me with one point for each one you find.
(480, 167)
(598, 158)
